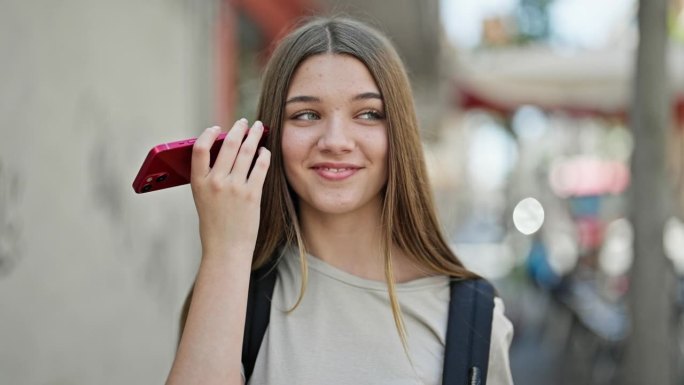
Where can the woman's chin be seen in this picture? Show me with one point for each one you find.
(340, 206)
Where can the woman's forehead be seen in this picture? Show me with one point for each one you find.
(331, 74)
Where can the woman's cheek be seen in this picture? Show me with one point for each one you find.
(297, 141)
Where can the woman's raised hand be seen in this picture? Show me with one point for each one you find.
(228, 196)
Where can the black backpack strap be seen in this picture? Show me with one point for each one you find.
(466, 354)
(261, 284)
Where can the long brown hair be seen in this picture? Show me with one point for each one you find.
(408, 215)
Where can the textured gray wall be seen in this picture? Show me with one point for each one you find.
(92, 275)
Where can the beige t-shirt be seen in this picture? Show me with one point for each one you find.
(343, 331)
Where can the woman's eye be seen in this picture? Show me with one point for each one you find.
(306, 115)
(371, 115)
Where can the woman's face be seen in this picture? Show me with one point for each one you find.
(334, 138)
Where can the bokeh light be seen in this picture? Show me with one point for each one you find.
(673, 240)
(491, 156)
(528, 216)
(617, 254)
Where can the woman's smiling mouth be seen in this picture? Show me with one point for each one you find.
(335, 172)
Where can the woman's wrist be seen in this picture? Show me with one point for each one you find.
(235, 256)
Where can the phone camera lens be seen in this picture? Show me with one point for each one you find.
(147, 188)
(162, 178)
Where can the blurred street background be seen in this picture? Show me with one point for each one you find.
(531, 112)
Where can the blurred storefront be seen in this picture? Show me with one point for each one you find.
(540, 202)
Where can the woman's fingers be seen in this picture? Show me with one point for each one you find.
(230, 147)
(236, 155)
(258, 174)
(247, 151)
(199, 165)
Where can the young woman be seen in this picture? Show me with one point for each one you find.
(341, 200)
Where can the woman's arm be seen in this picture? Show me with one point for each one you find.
(211, 344)
(228, 208)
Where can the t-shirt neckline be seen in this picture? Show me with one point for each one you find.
(324, 268)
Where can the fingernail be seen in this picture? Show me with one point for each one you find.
(243, 120)
(258, 124)
(215, 128)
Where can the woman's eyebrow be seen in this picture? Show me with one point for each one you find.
(367, 95)
(314, 99)
(303, 99)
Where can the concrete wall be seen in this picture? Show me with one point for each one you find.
(92, 276)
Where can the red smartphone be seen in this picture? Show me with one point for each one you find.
(168, 165)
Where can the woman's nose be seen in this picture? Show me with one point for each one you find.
(335, 137)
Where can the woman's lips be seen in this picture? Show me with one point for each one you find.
(335, 172)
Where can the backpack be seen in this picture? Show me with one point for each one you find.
(466, 354)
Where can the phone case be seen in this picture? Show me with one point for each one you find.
(168, 165)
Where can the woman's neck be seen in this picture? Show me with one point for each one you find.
(352, 242)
